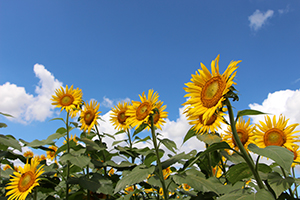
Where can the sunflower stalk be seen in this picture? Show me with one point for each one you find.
(104, 159)
(160, 171)
(68, 151)
(296, 186)
(237, 140)
(285, 176)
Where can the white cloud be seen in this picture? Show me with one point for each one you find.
(27, 107)
(285, 102)
(284, 11)
(110, 102)
(173, 130)
(258, 19)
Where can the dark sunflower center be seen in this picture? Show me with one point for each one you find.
(156, 116)
(89, 117)
(274, 137)
(67, 100)
(26, 181)
(212, 92)
(243, 135)
(143, 111)
(209, 122)
(122, 117)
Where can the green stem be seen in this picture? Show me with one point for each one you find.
(104, 159)
(88, 176)
(237, 140)
(68, 151)
(296, 191)
(35, 194)
(160, 171)
(285, 176)
(211, 174)
(130, 145)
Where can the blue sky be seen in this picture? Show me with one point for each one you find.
(115, 50)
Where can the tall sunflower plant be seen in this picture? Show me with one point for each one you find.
(79, 164)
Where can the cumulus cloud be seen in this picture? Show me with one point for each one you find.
(258, 19)
(27, 107)
(285, 102)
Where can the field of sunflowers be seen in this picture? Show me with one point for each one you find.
(84, 167)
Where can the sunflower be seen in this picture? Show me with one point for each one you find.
(159, 115)
(138, 112)
(129, 189)
(28, 154)
(212, 125)
(89, 115)
(21, 184)
(296, 153)
(67, 99)
(51, 154)
(206, 90)
(166, 172)
(118, 117)
(245, 132)
(71, 138)
(6, 167)
(275, 133)
(186, 187)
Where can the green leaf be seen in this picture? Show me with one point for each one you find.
(138, 174)
(280, 155)
(90, 144)
(191, 133)
(176, 158)
(217, 146)
(169, 144)
(7, 115)
(123, 165)
(259, 195)
(3, 125)
(278, 183)
(138, 140)
(80, 161)
(117, 142)
(248, 112)
(89, 184)
(238, 172)
(209, 138)
(196, 182)
(10, 141)
(58, 118)
(140, 128)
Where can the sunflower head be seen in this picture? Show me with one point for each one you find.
(51, 154)
(138, 112)
(244, 131)
(158, 115)
(276, 133)
(28, 154)
(67, 99)
(22, 183)
(89, 115)
(296, 153)
(118, 116)
(206, 90)
(211, 125)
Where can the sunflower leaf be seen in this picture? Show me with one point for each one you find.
(139, 129)
(3, 125)
(7, 115)
(217, 146)
(191, 133)
(138, 174)
(10, 141)
(278, 183)
(280, 155)
(248, 112)
(209, 138)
